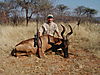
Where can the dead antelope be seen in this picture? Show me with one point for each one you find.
(46, 43)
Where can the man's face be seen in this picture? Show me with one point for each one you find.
(50, 19)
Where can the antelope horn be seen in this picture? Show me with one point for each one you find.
(79, 21)
(69, 32)
(63, 31)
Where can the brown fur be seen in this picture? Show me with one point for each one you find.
(45, 43)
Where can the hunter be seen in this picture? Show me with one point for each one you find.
(49, 27)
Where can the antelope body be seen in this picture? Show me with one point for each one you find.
(45, 43)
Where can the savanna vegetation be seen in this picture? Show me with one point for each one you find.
(18, 22)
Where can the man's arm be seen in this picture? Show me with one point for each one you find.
(57, 33)
(57, 30)
(40, 31)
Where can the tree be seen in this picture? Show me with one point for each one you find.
(36, 7)
(80, 11)
(62, 10)
(90, 12)
(26, 5)
(8, 7)
(83, 11)
(45, 8)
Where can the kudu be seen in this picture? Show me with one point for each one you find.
(45, 43)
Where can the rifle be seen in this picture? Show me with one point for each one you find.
(37, 34)
(37, 22)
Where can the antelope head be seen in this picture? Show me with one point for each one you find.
(65, 41)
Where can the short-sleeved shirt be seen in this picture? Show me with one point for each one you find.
(49, 29)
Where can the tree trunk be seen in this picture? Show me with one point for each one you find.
(27, 17)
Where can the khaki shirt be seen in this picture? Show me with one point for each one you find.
(48, 29)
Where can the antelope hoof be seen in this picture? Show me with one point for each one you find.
(66, 56)
(43, 56)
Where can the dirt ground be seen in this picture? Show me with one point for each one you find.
(80, 62)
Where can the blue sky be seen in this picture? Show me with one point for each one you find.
(94, 4)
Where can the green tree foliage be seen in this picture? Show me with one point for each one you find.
(29, 9)
(34, 7)
(62, 8)
(79, 11)
(90, 12)
(84, 11)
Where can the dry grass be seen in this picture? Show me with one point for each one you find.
(81, 62)
(85, 37)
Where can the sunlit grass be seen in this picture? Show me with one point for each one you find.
(86, 37)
